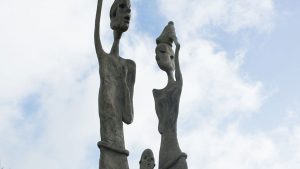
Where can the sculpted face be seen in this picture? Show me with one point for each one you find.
(165, 57)
(120, 15)
(147, 160)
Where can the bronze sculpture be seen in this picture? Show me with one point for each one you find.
(117, 78)
(147, 160)
(167, 100)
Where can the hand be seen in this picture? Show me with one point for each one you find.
(173, 33)
(176, 42)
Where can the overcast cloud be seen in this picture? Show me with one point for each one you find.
(49, 86)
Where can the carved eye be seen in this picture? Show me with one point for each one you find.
(122, 5)
(172, 57)
(162, 51)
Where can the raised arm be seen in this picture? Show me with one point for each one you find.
(98, 45)
(178, 75)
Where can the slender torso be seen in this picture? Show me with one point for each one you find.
(115, 74)
(117, 77)
(167, 105)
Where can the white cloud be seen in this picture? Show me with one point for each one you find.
(49, 51)
(230, 15)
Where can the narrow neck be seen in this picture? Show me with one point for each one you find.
(115, 47)
(170, 77)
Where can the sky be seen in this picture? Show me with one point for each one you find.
(240, 105)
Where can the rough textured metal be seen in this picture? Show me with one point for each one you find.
(167, 101)
(117, 78)
(147, 160)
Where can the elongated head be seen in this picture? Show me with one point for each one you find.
(165, 57)
(120, 14)
(147, 160)
(164, 52)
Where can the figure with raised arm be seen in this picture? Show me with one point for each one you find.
(117, 78)
(167, 100)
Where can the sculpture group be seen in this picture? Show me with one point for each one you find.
(117, 78)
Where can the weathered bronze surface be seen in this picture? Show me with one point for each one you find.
(117, 78)
(147, 160)
(167, 101)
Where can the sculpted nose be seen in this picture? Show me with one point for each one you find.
(128, 10)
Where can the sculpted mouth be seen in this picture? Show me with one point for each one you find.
(127, 19)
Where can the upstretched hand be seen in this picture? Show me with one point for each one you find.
(176, 42)
(175, 37)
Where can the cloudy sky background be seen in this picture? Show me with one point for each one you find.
(240, 106)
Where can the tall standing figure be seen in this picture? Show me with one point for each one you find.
(167, 101)
(117, 78)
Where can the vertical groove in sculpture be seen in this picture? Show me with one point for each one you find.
(117, 78)
(167, 101)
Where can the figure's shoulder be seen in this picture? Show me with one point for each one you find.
(130, 64)
(102, 55)
(104, 59)
(156, 92)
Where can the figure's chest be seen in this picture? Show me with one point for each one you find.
(113, 63)
(167, 96)
(112, 67)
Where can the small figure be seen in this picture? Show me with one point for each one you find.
(167, 101)
(147, 160)
(117, 78)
